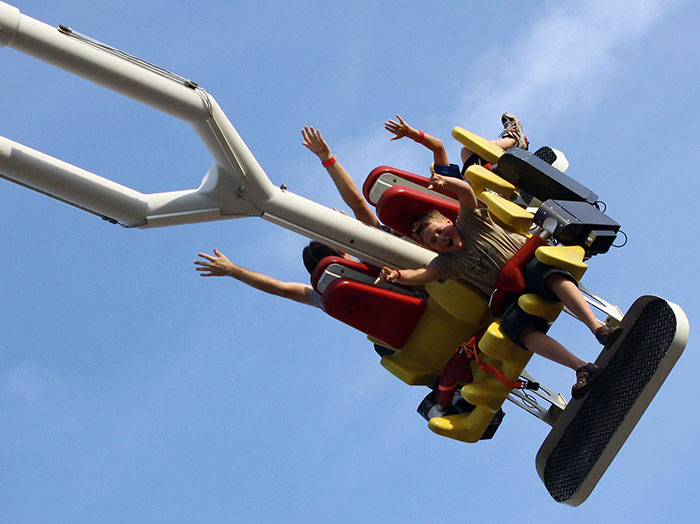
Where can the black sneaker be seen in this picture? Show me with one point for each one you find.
(585, 377)
(607, 335)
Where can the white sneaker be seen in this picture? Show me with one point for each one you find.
(512, 128)
(436, 411)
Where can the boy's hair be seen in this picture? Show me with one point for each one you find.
(425, 219)
(314, 252)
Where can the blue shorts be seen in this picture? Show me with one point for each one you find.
(514, 319)
(470, 161)
(536, 274)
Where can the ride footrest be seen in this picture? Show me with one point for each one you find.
(591, 430)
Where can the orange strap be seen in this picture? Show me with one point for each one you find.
(470, 347)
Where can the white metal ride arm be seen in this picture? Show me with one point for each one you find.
(234, 186)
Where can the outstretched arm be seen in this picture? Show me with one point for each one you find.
(423, 275)
(462, 188)
(401, 129)
(219, 265)
(349, 192)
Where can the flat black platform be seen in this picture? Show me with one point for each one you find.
(591, 430)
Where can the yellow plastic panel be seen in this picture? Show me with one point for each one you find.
(478, 374)
(433, 341)
(509, 213)
(569, 258)
(497, 345)
(488, 394)
(481, 178)
(539, 306)
(380, 342)
(413, 376)
(476, 144)
(460, 299)
(513, 370)
(467, 427)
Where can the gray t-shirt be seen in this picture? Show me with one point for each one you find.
(488, 248)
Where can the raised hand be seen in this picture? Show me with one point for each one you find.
(400, 129)
(314, 142)
(215, 266)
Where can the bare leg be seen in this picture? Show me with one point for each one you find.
(505, 143)
(570, 295)
(466, 153)
(547, 347)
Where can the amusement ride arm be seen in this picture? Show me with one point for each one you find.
(234, 186)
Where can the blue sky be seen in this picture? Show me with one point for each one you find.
(131, 390)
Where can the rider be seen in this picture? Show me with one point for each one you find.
(219, 264)
(351, 195)
(475, 248)
(511, 136)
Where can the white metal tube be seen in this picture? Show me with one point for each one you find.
(342, 232)
(83, 189)
(67, 182)
(9, 23)
(119, 74)
(30, 36)
(237, 186)
(229, 150)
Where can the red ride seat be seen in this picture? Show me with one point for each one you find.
(399, 207)
(389, 315)
(381, 313)
(348, 290)
(383, 176)
(345, 268)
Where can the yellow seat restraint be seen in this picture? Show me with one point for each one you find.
(488, 393)
(509, 213)
(505, 211)
(481, 178)
(569, 258)
(478, 145)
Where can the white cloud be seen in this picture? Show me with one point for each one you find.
(563, 61)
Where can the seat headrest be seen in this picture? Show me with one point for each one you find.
(400, 206)
(397, 176)
(353, 264)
